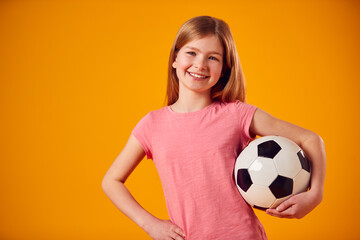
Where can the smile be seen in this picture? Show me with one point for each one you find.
(197, 75)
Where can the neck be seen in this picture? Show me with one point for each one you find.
(191, 102)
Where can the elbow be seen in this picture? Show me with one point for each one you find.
(319, 140)
(311, 138)
(109, 183)
(105, 184)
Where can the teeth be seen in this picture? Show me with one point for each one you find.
(197, 75)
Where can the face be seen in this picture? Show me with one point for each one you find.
(199, 64)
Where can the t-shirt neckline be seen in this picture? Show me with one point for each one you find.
(190, 113)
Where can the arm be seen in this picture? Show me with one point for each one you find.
(114, 188)
(301, 204)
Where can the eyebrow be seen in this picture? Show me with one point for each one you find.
(211, 52)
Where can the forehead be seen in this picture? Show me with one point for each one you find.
(206, 44)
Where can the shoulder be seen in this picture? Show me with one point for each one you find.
(158, 113)
(146, 124)
(154, 115)
(235, 106)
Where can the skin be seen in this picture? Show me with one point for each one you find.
(204, 57)
(301, 204)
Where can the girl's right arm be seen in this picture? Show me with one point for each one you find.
(114, 187)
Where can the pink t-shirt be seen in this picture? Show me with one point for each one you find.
(194, 154)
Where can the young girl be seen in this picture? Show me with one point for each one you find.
(195, 140)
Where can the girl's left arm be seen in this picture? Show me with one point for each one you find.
(299, 205)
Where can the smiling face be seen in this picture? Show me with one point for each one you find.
(199, 64)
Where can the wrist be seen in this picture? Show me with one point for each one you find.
(147, 222)
(317, 194)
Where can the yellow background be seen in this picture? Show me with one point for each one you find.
(76, 76)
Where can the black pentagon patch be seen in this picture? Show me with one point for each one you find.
(268, 149)
(259, 208)
(305, 164)
(243, 179)
(281, 187)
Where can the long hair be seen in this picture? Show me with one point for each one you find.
(231, 85)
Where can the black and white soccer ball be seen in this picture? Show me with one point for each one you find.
(270, 170)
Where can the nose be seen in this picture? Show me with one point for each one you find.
(200, 63)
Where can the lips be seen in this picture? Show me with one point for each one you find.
(197, 75)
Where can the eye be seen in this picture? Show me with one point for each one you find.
(213, 58)
(191, 53)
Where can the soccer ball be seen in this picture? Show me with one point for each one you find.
(270, 170)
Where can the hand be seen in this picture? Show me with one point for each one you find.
(296, 206)
(165, 230)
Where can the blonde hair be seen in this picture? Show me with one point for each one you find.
(231, 85)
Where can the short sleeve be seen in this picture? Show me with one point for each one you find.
(245, 113)
(142, 133)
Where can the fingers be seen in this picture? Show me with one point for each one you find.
(288, 213)
(296, 206)
(285, 205)
(286, 209)
(175, 236)
(177, 233)
(165, 230)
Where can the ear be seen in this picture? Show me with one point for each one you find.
(174, 64)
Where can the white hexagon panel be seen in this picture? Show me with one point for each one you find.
(301, 181)
(262, 171)
(260, 196)
(287, 163)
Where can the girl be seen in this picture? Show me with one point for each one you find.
(195, 140)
